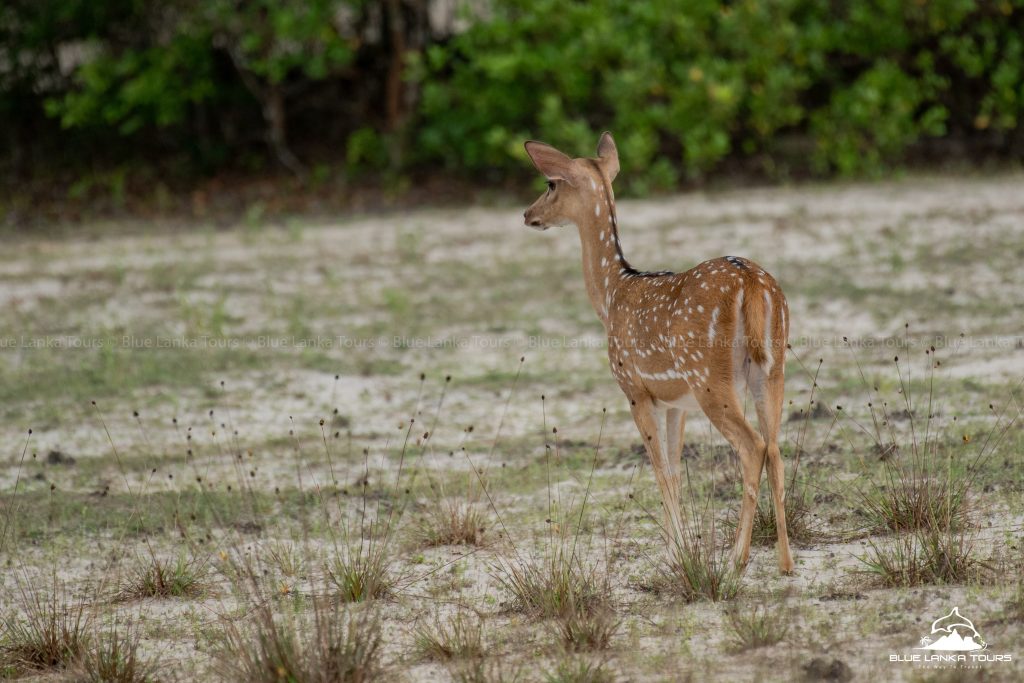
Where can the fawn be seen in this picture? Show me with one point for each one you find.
(678, 341)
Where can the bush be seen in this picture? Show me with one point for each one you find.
(690, 87)
(702, 82)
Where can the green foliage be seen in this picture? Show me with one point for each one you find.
(277, 38)
(687, 86)
(127, 91)
(706, 81)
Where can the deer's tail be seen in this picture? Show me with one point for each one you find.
(757, 328)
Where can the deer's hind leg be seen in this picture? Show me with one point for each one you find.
(722, 406)
(768, 396)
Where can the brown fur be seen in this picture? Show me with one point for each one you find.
(753, 336)
(672, 338)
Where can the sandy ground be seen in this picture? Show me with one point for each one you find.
(267, 331)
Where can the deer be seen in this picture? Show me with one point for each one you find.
(678, 342)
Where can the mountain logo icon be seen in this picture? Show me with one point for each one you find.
(953, 633)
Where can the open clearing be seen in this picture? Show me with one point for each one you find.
(266, 397)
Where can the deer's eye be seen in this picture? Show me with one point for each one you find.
(551, 186)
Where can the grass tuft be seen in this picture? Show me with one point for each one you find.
(286, 558)
(557, 585)
(913, 499)
(925, 556)
(758, 626)
(799, 519)
(451, 521)
(115, 658)
(579, 670)
(51, 633)
(181, 577)
(588, 631)
(362, 573)
(696, 569)
(331, 646)
(461, 637)
(485, 671)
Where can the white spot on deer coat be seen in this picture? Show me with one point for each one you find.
(712, 327)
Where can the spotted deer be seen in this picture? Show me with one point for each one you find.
(678, 341)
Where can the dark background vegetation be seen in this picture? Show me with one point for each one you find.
(208, 107)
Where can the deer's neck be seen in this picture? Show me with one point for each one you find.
(604, 265)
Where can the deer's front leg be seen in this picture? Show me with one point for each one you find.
(654, 430)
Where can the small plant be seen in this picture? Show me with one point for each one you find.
(758, 626)
(114, 658)
(484, 671)
(362, 573)
(459, 638)
(286, 558)
(925, 556)
(920, 488)
(696, 569)
(51, 633)
(557, 585)
(451, 521)
(331, 646)
(913, 498)
(579, 671)
(799, 519)
(165, 578)
(586, 631)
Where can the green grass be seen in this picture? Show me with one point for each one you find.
(160, 577)
(39, 515)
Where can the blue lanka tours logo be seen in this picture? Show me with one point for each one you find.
(953, 640)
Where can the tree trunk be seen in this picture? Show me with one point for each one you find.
(393, 87)
(275, 115)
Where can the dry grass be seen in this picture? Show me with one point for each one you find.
(588, 631)
(799, 518)
(558, 584)
(913, 498)
(486, 671)
(755, 626)
(51, 633)
(925, 556)
(114, 657)
(579, 670)
(697, 569)
(460, 637)
(451, 521)
(286, 558)
(328, 645)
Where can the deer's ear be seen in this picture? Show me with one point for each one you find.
(549, 161)
(609, 155)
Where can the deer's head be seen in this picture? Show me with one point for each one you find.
(578, 189)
